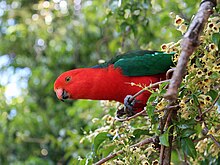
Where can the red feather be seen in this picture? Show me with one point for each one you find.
(103, 84)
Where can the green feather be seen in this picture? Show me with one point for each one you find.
(141, 62)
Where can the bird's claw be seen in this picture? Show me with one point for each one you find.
(128, 105)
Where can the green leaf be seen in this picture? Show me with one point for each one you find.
(164, 139)
(150, 111)
(150, 107)
(138, 132)
(99, 139)
(183, 126)
(198, 63)
(213, 94)
(187, 133)
(152, 97)
(107, 150)
(214, 75)
(124, 25)
(188, 147)
(85, 161)
(216, 39)
(161, 86)
(195, 99)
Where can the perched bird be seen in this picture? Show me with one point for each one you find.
(113, 80)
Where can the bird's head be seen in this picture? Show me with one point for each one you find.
(63, 85)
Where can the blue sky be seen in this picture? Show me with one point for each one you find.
(15, 80)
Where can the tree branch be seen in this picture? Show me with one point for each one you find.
(165, 152)
(146, 88)
(206, 131)
(213, 104)
(189, 43)
(129, 118)
(139, 144)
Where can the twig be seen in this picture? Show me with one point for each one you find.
(185, 159)
(162, 153)
(189, 43)
(166, 121)
(167, 111)
(146, 88)
(199, 139)
(143, 111)
(137, 94)
(200, 116)
(165, 155)
(205, 132)
(213, 104)
(161, 127)
(129, 118)
(214, 140)
(112, 155)
(169, 73)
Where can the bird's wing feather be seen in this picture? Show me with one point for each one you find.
(141, 62)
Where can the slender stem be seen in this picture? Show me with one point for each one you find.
(214, 140)
(213, 104)
(143, 111)
(206, 130)
(169, 72)
(129, 118)
(148, 87)
(112, 155)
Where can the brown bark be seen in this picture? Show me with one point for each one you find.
(189, 43)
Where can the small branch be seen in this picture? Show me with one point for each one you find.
(185, 159)
(189, 43)
(142, 112)
(167, 110)
(110, 156)
(213, 104)
(133, 97)
(146, 88)
(200, 116)
(162, 153)
(139, 144)
(129, 118)
(214, 140)
(199, 139)
(205, 132)
(169, 73)
(165, 123)
(165, 152)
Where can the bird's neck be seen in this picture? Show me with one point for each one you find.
(108, 84)
(98, 83)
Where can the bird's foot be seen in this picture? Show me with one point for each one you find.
(128, 103)
(128, 107)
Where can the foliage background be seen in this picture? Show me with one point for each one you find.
(40, 40)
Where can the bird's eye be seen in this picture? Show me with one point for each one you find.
(67, 79)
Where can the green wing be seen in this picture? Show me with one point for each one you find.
(141, 62)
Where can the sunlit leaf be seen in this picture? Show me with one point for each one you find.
(99, 139)
(216, 39)
(164, 139)
(85, 161)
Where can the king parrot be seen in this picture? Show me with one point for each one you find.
(113, 80)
